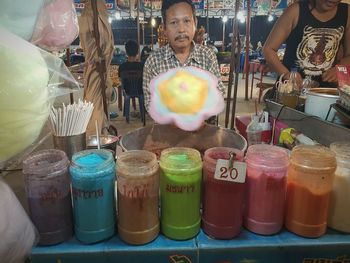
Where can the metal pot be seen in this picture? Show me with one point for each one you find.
(159, 137)
(108, 142)
(318, 101)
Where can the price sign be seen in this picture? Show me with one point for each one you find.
(236, 173)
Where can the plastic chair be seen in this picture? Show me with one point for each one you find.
(132, 88)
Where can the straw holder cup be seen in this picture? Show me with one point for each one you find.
(70, 144)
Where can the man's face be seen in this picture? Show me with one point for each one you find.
(179, 26)
(327, 5)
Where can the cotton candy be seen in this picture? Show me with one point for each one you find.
(57, 25)
(24, 105)
(185, 96)
(19, 16)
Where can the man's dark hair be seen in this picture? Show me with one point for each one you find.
(131, 48)
(168, 3)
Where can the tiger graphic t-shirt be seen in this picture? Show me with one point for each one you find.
(312, 45)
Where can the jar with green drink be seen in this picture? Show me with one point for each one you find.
(180, 188)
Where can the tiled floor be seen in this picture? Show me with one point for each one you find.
(14, 178)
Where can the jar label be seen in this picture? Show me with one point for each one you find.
(236, 173)
(135, 190)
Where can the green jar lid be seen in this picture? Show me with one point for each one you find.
(180, 158)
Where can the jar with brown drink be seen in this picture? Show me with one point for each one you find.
(138, 188)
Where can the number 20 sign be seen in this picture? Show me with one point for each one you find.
(236, 173)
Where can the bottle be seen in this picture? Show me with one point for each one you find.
(291, 95)
(266, 188)
(309, 186)
(47, 186)
(138, 189)
(93, 183)
(222, 201)
(180, 190)
(254, 131)
(265, 125)
(339, 212)
(293, 80)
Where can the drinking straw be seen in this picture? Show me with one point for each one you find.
(71, 119)
(97, 135)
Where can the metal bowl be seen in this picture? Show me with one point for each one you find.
(159, 137)
(106, 142)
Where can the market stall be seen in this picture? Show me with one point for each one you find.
(215, 205)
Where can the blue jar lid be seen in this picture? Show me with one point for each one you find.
(92, 163)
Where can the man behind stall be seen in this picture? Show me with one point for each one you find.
(179, 23)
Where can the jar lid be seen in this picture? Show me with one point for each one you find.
(211, 155)
(137, 163)
(313, 156)
(342, 149)
(180, 158)
(272, 157)
(92, 162)
(46, 163)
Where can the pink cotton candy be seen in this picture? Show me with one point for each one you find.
(186, 97)
(57, 25)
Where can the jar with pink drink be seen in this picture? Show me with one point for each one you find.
(266, 188)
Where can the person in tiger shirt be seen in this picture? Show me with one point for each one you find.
(314, 31)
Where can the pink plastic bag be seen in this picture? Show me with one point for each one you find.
(57, 25)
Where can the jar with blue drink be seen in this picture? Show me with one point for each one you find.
(93, 184)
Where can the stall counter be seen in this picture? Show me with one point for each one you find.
(285, 247)
(114, 250)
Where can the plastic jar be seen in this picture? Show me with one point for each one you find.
(138, 189)
(47, 186)
(180, 189)
(266, 188)
(93, 183)
(339, 212)
(222, 201)
(309, 185)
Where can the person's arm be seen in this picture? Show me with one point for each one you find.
(278, 36)
(331, 75)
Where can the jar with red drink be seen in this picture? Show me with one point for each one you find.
(222, 200)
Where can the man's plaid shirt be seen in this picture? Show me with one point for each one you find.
(164, 59)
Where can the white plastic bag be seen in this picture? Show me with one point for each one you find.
(17, 232)
(57, 25)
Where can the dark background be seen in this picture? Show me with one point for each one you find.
(127, 29)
